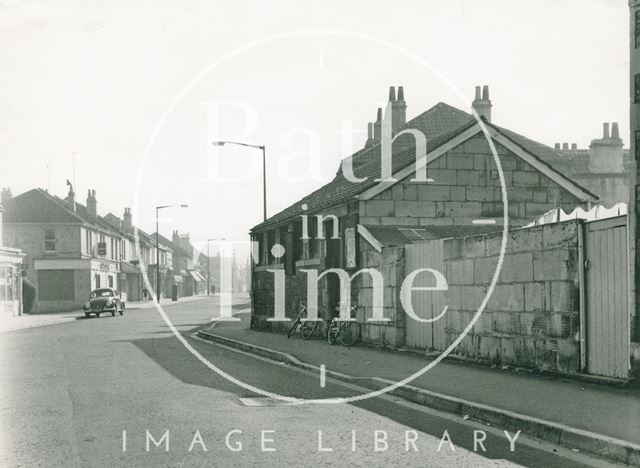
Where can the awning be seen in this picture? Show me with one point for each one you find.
(196, 276)
(128, 268)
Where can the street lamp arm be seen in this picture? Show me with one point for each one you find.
(222, 143)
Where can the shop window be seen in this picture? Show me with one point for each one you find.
(49, 240)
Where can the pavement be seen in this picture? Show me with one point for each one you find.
(588, 416)
(93, 392)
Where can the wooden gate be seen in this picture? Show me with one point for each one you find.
(607, 297)
(427, 304)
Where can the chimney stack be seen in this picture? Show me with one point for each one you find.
(127, 225)
(574, 146)
(370, 139)
(71, 198)
(556, 147)
(377, 125)
(175, 237)
(482, 104)
(398, 109)
(565, 146)
(606, 154)
(92, 204)
(6, 196)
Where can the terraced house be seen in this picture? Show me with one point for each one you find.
(370, 218)
(71, 250)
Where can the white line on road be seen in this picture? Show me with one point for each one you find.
(323, 376)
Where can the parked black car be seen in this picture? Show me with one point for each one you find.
(104, 300)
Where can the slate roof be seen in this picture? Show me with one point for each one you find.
(440, 124)
(38, 206)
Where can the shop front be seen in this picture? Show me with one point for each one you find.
(10, 282)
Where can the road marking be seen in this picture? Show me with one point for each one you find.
(323, 376)
(484, 221)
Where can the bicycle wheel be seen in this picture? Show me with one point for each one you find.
(349, 333)
(293, 327)
(307, 328)
(332, 332)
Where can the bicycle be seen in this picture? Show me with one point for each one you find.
(307, 327)
(345, 331)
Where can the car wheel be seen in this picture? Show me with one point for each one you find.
(97, 314)
(113, 313)
(87, 315)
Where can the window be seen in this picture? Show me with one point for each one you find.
(271, 240)
(49, 240)
(637, 29)
(6, 283)
(110, 279)
(297, 241)
(637, 148)
(283, 243)
(97, 280)
(313, 236)
(636, 88)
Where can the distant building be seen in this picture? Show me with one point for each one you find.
(10, 273)
(604, 168)
(69, 249)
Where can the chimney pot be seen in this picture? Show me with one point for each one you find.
(615, 131)
(605, 130)
(392, 93)
(400, 93)
(482, 104)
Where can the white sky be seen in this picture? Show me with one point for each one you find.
(95, 78)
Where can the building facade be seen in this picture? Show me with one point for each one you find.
(336, 226)
(10, 273)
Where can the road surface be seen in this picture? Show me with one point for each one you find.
(123, 391)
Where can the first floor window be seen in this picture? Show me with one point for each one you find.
(49, 240)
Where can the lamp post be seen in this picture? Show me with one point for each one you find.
(209, 262)
(158, 208)
(264, 168)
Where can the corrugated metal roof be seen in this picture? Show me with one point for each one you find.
(390, 236)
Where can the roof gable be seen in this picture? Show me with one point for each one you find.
(37, 206)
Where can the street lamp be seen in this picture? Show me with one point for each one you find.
(209, 262)
(158, 208)
(264, 168)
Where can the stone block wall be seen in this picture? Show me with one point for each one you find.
(532, 317)
(389, 262)
(466, 186)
